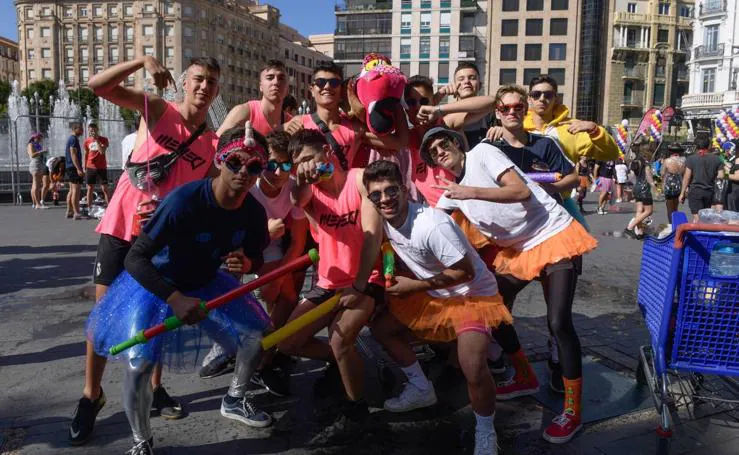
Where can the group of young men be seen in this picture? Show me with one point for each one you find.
(255, 194)
(85, 163)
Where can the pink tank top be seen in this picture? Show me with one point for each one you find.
(344, 136)
(425, 176)
(168, 132)
(338, 232)
(258, 121)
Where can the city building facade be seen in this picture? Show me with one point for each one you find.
(323, 43)
(426, 37)
(649, 44)
(72, 40)
(300, 59)
(714, 62)
(532, 37)
(8, 59)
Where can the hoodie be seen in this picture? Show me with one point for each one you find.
(601, 147)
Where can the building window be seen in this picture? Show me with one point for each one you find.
(84, 55)
(510, 5)
(203, 34)
(149, 50)
(31, 54)
(69, 54)
(709, 80)
(99, 55)
(710, 37)
(507, 76)
(534, 27)
(405, 68)
(664, 8)
(188, 53)
(558, 5)
(83, 34)
(31, 75)
(148, 30)
(425, 22)
(187, 11)
(405, 47)
(685, 11)
(97, 11)
(169, 29)
(558, 27)
(129, 53)
(113, 53)
(406, 4)
(29, 13)
(148, 8)
(45, 32)
(128, 10)
(84, 75)
(113, 33)
(45, 52)
(423, 69)
(445, 21)
(558, 74)
(168, 9)
(532, 52)
(529, 74)
(112, 10)
(128, 29)
(424, 49)
(508, 52)
(29, 33)
(659, 94)
(509, 27)
(98, 32)
(170, 52)
(46, 74)
(405, 22)
(68, 11)
(663, 35)
(558, 51)
(443, 73)
(82, 11)
(46, 11)
(187, 31)
(443, 47)
(467, 23)
(534, 5)
(68, 34)
(631, 7)
(69, 75)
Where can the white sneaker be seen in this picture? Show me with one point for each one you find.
(411, 398)
(486, 443)
(618, 201)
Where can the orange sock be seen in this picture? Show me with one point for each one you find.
(521, 364)
(573, 395)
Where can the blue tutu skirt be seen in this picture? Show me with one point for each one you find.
(128, 308)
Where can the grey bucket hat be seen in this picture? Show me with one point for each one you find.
(426, 156)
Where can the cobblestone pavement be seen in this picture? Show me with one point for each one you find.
(45, 265)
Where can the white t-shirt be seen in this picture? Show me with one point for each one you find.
(127, 145)
(519, 225)
(278, 207)
(622, 173)
(430, 242)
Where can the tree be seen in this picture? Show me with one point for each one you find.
(84, 97)
(129, 117)
(45, 89)
(5, 90)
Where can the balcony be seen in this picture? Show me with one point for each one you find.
(363, 6)
(706, 52)
(712, 8)
(638, 19)
(634, 72)
(683, 75)
(708, 100)
(631, 100)
(468, 4)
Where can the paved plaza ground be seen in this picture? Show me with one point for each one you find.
(45, 269)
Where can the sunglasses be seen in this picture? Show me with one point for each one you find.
(391, 192)
(334, 82)
(506, 108)
(537, 94)
(444, 144)
(273, 165)
(235, 164)
(412, 102)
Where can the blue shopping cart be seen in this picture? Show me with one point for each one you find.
(689, 297)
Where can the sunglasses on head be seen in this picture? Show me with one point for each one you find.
(321, 82)
(273, 165)
(412, 102)
(235, 164)
(391, 192)
(537, 94)
(506, 108)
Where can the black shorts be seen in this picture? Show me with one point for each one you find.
(96, 176)
(318, 295)
(109, 260)
(699, 199)
(71, 176)
(646, 200)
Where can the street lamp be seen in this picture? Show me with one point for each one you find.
(37, 102)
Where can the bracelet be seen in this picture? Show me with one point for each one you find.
(438, 109)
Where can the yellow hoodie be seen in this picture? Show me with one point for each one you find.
(601, 147)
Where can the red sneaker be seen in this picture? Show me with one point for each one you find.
(563, 428)
(513, 388)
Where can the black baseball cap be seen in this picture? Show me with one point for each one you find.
(440, 130)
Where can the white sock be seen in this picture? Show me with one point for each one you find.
(494, 351)
(415, 376)
(485, 424)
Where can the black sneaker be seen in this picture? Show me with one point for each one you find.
(218, 368)
(556, 383)
(349, 425)
(83, 419)
(630, 233)
(244, 411)
(142, 448)
(273, 382)
(330, 383)
(497, 366)
(166, 405)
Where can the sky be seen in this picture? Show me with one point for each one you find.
(310, 18)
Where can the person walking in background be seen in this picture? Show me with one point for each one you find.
(731, 168)
(583, 174)
(642, 189)
(73, 172)
(622, 176)
(673, 168)
(39, 171)
(603, 174)
(96, 166)
(129, 142)
(701, 171)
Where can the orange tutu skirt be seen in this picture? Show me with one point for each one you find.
(442, 319)
(584, 182)
(573, 241)
(470, 231)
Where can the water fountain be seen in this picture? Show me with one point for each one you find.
(65, 111)
(114, 128)
(19, 130)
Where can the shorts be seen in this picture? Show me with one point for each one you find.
(605, 184)
(584, 182)
(645, 200)
(699, 199)
(96, 176)
(109, 260)
(318, 295)
(71, 176)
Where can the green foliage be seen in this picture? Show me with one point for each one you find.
(45, 89)
(5, 90)
(85, 97)
(129, 117)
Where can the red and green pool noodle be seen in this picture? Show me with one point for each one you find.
(172, 322)
(388, 264)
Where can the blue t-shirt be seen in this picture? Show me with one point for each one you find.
(541, 154)
(72, 142)
(196, 233)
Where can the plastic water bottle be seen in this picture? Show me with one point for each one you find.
(725, 260)
(710, 216)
